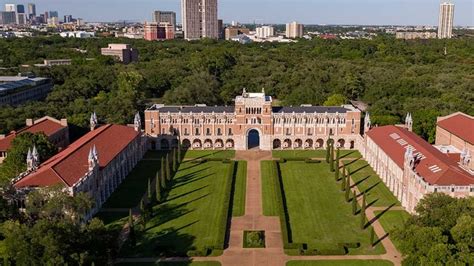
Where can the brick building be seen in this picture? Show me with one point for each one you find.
(123, 52)
(252, 123)
(95, 164)
(455, 134)
(56, 131)
(412, 168)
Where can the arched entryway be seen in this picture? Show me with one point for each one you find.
(253, 139)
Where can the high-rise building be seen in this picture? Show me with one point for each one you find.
(446, 17)
(53, 14)
(165, 16)
(199, 19)
(68, 18)
(20, 9)
(294, 30)
(264, 32)
(7, 17)
(10, 7)
(32, 10)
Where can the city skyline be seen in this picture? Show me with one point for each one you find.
(363, 12)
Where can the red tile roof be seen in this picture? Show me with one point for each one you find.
(460, 125)
(435, 167)
(68, 166)
(47, 126)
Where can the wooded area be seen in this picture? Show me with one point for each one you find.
(392, 76)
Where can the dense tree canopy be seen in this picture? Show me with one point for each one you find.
(391, 76)
(442, 232)
(15, 163)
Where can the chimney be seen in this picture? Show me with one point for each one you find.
(29, 122)
(64, 122)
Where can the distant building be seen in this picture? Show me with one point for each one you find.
(7, 17)
(232, 31)
(455, 136)
(294, 30)
(123, 52)
(158, 31)
(55, 62)
(242, 39)
(77, 34)
(56, 131)
(220, 29)
(199, 19)
(10, 7)
(53, 14)
(68, 19)
(446, 18)
(411, 35)
(264, 32)
(166, 17)
(15, 90)
(53, 22)
(20, 9)
(96, 164)
(31, 10)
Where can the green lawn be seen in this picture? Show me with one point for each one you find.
(341, 263)
(318, 212)
(194, 154)
(313, 154)
(190, 263)
(367, 180)
(269, 196)
(190, 216)
(238, 208)
(132, 189)
(391, 220)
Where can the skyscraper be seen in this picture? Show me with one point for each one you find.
(32, 10)
(20, 9)
(446, 17)
(294, 30)
(10, 7)
(53, 14)
(199, 19)
(7, 17)
(165, 16)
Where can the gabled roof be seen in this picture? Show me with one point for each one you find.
(47, 125)
(460, 125)
(434, 167)
(68, 166)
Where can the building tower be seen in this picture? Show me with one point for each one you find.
(165, 17)
(93, 121)
(409, 122)
(446, 18)
(137, 123)
(368, 123)
(32, 159)
(199, 19)
(294, 30)
(93, 158)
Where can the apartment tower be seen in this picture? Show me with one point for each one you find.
(199, 19)
(294, 30)
(446, 17)
(165, 17)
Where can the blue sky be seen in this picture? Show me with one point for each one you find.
(400, 12)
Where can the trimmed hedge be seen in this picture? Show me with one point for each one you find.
(312, 161)
(226, 208)
(199, 252)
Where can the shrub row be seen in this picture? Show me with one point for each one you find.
(306, 160)
(226, 208)
(199, 252)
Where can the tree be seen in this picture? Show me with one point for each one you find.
(372, 236)
(337, 163)
(343, 182)
(149, 191)
(354, 203)
(167, 168)
(348, 190)
(362, 213)
(335, 100)
(175, 165)
(158, 187)
(331, 158)
(132, 235)
(163, 173)
(179, 151)
(15, 163)
(328, 151)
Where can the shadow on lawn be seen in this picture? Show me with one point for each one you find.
(353, 161)
(347, 154)
(381, 213)
(359, 169)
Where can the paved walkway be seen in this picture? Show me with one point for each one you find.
(254, 219)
